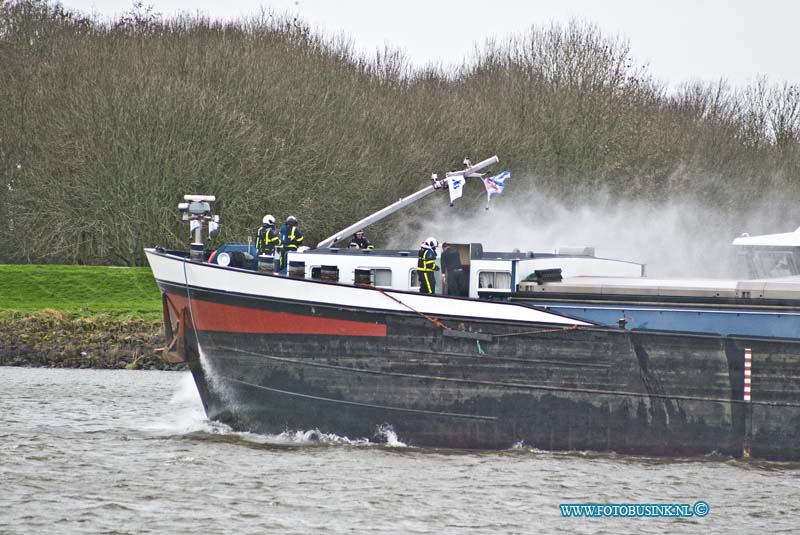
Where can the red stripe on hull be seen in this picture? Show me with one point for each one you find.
(210, 316)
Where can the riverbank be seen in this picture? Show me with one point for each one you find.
(80, 317)
(55, 339)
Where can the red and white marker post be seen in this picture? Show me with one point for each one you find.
(748, 429)
(748, 363)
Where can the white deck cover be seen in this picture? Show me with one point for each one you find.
(212, 277)
(785, 239)
(782, 288)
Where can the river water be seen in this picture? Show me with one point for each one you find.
(91, 451)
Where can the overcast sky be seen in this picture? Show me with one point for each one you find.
(679, 40)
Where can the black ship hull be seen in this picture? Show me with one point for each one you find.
(269, 364)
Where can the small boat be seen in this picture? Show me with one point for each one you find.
(345, 343)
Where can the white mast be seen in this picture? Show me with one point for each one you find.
(471, 171)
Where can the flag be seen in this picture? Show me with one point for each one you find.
(456, 186)
(194, 224)
(213, 226)
(495, 184)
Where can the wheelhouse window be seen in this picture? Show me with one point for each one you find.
(326, 273)
(771, 264)
(413, 279)
(494, 280)
(381, 277)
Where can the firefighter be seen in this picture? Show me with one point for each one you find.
(267, 238)
(291, 237)
(426, 265)
(452, 273)
(360, 241)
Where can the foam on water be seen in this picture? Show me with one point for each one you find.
(184, 412)
(384, 435)
(387, 432)
(184, 415)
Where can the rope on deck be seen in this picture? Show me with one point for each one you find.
(435, 321)
(539, 331)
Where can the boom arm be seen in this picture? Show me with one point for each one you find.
(470, 172)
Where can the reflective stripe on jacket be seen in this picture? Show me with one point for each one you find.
(426, 259)
(273, 240)
(294, 238)
(267, 239)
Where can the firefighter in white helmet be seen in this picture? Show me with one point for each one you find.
(426, 265)
(267, 237)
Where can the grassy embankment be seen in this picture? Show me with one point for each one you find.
(79, 316)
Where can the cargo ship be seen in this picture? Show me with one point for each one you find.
(345, 343)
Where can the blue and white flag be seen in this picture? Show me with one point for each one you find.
(213, 225)
(194, 224)
(495, 184)
(456, 186)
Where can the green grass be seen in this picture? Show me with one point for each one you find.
(80, 290)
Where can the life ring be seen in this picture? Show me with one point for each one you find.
(211, 256)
